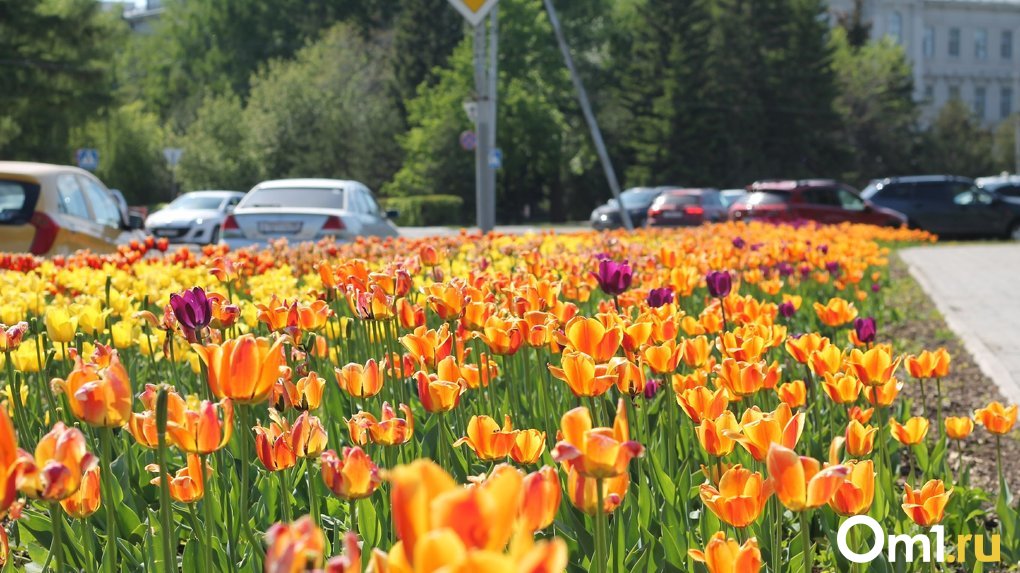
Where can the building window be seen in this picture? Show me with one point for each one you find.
(954, 92)
(1006, 49)
(954, 42)
(929, 42)
(1005, 102)
(981, 44)
(979, 101)
(929, 93)
(896, 27)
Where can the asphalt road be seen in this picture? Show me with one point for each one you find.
(975, 287)
(423, 232)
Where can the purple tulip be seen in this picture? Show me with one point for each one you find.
(875, 287)
(865, 329)
(832, 267)
(614, 278)
(719, 283)
(787, 309)
(739, 243)
(192, 310)
(785, 269)
(660, 296)
(651, 388)
(824, 249)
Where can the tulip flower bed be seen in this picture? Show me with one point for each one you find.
(716, 399)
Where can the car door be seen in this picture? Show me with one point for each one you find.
(853, 206)
(979, 214)
(79, 230)
(105, 211)
(822, 204)
(932, 207)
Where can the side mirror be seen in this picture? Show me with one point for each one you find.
(135, 222)
(392, 213)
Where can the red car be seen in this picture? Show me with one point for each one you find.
(821, 200)
(685, 207)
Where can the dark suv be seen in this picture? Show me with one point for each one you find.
(947, 205)
(822, 200)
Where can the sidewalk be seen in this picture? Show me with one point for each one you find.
(977, 290)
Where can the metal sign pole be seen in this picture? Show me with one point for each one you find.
(482, 128)
(596, 133)
(493, 78)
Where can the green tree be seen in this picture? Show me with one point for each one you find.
(328, 112)
(956, 143)
(425, 33)
(1004, 144)
(55, 73)
(876, 106)
(130, 141)
(217, 148)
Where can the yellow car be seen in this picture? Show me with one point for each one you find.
(58, 209)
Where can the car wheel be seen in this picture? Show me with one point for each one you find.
(1014, 231)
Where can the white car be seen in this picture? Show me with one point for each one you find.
(195, 217)
(306, 210)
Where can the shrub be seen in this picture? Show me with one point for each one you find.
(425, 210)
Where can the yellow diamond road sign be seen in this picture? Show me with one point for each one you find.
(474, 10)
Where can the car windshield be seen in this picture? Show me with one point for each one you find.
(305, 198)
(766, 198)
(195, 202)
(676, 200)
(634, 198)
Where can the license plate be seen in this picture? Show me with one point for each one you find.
(165, 232)
(282, 227)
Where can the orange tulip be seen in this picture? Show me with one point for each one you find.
(862, 416)
(352, 477)
(958, 428)
(437, 395)
(244, 368)
(199, 429)
(714, 435)
(875, 366)
(801, 347)
(745, 378)
(528, 446)
(99, 392)
(501, 336)
(911, 433)
(273, 445)
(857, 492)
(590, 336)
(700, 403)
(630, 377)
(635, 336)
(596, 452)
(427, 346)
(723, 555)
(883, 396)
(350, 560)
(294, 547)
(827, 360)
(926, 506)
(5, 547)
(487, 440)
(10, 463)
(583, 493)
(360, 381)
(387, 431)
(682, 382)
(56, 470)
(929, 364)
(800, 482)
(84, 502)
(836, 312)
(793, 394)
(997, 418)
(11, 336)
(446, 299)
(186, 486)
(696, 351)
(584, 377)
(759, 430)
(664, 358)
(308, 394)
(142, 425)
(410, 315)
(307, 436)
(540, 500)
(740, 498)
(842, 388)
(860, 439)
(412, 489)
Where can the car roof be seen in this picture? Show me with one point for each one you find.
(36, 169)
(310, 183)
(924, 179)
(789, 184)
(998, 180)
(690, 191)
(214, 193)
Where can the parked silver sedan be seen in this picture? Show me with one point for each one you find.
(306, 210)
(195, 217)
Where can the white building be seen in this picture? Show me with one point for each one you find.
(966, 49)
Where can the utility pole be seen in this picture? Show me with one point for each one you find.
(1016, 143)
(589, 117)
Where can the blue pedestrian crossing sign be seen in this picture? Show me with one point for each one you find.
(496, 158)
(87, 158)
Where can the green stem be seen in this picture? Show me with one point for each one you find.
(313, 496)
(169, 560)
(938, 406)
(998, 461)
(106, 443)
(245, 431)
(90, 546)
(805, 532)
(208, 516)
(57, 547)
(601, 543)
(285, 509)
